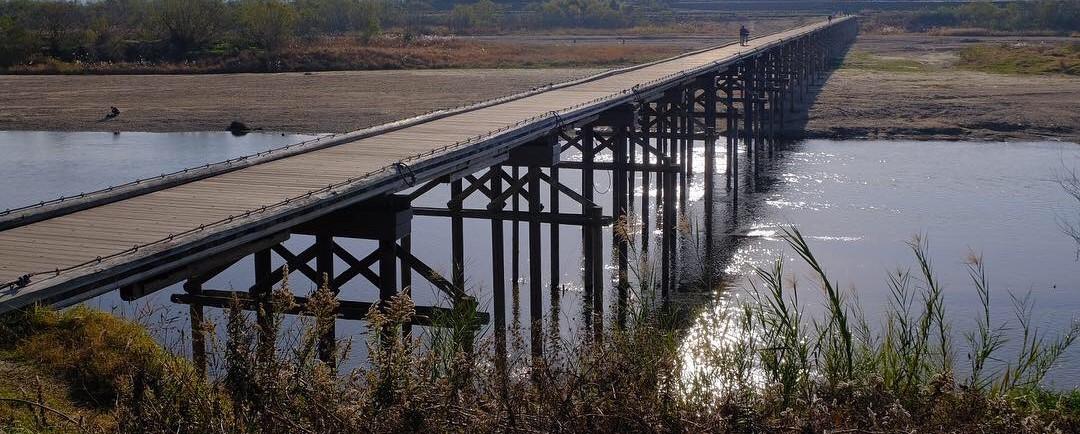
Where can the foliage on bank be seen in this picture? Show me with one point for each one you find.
(773, 368)
(981, 18)
(35, 32)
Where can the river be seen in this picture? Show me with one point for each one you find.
(858, 202)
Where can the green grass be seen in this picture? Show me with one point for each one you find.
(1022, 58)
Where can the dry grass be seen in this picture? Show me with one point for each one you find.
(1023, 58)
(76, 362)
(347, 53)
(780, 372)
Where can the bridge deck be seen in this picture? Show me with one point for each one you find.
(73, 243)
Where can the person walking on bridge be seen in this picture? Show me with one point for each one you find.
(744, 35)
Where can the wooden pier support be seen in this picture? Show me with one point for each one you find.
(654, 138)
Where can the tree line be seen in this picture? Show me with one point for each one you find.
(1040, 15)
(177, 30)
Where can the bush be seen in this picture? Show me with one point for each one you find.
(268, 24)
(16, 44)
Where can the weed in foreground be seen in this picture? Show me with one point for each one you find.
(784, 371)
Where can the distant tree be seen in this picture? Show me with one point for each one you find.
(59, 24)
(190, 25)
(268, 24)
(368, 19)
(483, 14)
(16, 44)
(584, 13)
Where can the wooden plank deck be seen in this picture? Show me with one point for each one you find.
(87, 241)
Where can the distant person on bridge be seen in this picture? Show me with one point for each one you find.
(744, 35)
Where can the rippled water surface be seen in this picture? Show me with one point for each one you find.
(41, 165)
(860, 202)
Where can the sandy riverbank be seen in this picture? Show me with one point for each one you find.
(294, 102)
(910, 87)
(896, 86)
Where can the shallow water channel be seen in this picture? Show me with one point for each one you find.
(858, 202)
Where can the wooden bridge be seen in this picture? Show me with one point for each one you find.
(639, 123)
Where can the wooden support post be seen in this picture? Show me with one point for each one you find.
(553, 231)
(457, 235)
(587, 159)
(665, 197)
(536, 314)
(710, 90)
(733, 138)
(263, 289)
(633, 136)
(498, 272)
(387, 269)
(324, 266)
(668, 235)
(748, 109)
(553, 249)
(406, 267)
(198, 327)
(515, 239)
(620, 209)
(646, 157)
(687, 131)
(684, 143)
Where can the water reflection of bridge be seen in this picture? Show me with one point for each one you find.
(638, 124)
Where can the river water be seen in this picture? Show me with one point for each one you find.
(858, 203)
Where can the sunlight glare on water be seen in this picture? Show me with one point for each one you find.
(859, 203)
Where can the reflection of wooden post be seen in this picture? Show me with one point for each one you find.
(198, 320)
(710, 167)
(596, 251)
(324, 266)
(667, 234)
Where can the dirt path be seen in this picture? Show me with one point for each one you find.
(294, 102)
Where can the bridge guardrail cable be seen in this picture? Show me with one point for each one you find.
(554, 115)
(231, 161)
